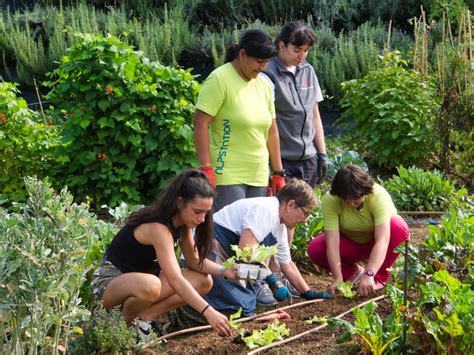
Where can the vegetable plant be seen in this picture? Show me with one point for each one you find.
(274, 331)
(126, 121)
(304, 232)
(441, 322)
(415, 189)
(391, 113)
(259, 337)
(316, 319)
(369, 327)
(258, 254)
(450, 246)
(345, 289)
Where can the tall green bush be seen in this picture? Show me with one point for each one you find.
(42, 267)
(127, 121)
(28, 143)
(390, 114)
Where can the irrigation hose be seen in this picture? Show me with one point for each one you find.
(287, 340)
(241, 320)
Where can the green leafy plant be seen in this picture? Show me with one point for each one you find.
(390, 113)
(368, 326)
(316, 319)
(450, 246)
(464, 153)
(258, 254)
(105, 332)
(304, 232)
(42, 267)
(340, 158)
(127, 121)
(259, 337)
(414, 189)
(28, 143)
(274, 331)
(345, 289)
(441, 322)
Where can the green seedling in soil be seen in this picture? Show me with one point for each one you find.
(234, 324)
(274, 331)
(368, 326)
(345, 289)
(257, 338)
(316, 319)
(258, 254)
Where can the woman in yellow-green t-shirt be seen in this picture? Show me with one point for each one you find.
(360, 223)
(235, 132)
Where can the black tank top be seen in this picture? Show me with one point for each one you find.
(127, 254)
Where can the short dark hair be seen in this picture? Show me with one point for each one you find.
(256, 43)
(297, 34)
(299, 191)
(351, 182)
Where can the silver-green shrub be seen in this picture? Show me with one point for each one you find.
(42, 267)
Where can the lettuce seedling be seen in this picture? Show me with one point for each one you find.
(272, 332)
(316, 319)
(345, 289)
(257, 254)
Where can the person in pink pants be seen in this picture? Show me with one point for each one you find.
(361, 223)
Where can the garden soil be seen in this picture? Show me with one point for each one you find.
(319, 342)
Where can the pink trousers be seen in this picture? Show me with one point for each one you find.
(353, 252)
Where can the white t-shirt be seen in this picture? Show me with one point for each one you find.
(261, 216)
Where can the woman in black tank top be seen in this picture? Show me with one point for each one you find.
(150, 281)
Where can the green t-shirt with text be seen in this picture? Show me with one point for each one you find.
(243, 113)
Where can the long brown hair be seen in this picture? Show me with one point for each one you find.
(188, 185)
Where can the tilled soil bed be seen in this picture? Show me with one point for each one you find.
(319, 342)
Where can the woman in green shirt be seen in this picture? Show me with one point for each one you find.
(235, 131)
(361, 223)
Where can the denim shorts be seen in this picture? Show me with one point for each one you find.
(101, 278)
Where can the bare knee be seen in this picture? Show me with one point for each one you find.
(204, 284)
(150, 293)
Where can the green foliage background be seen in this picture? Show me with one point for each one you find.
(126, 121)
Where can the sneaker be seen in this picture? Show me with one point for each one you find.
(144, 330)
(264, 294)
(294, 292)
(355, 278)
(162, 325)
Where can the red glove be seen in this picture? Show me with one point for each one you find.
(209, 173)
(277, 183)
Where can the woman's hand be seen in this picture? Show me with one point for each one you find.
(368, 285)
(230, 274)
(333, 286)
(218, 321)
